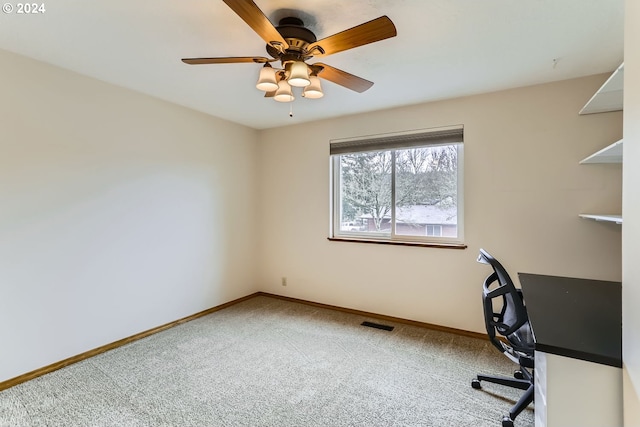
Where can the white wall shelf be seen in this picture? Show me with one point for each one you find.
(609, 96)
(601, 217)
(609, 154)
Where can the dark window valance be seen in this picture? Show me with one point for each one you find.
(396, 141)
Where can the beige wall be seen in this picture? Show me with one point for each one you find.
(523, 191)
(118, 213)
(121, 212)
(631, 216)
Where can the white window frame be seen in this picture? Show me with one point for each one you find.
(378, 140)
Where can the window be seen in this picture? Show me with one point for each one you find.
(401, 187)
(434, 230)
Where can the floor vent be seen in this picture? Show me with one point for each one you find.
(377, 326)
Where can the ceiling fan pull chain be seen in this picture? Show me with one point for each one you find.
(291, 109)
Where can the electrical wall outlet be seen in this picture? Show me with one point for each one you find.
(284, 281)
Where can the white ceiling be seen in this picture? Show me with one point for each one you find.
(444, 49)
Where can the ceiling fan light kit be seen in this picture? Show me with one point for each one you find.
(314, 90)
(293, 45)
(284, 92)
(267, 81)
(299, 74)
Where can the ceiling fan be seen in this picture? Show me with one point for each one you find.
(292, 45)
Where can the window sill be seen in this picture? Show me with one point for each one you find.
(400, 243)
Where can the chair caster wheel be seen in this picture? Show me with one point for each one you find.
(507, 422)
(518, 375)
(476, 384)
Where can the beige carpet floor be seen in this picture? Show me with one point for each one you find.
(269, 362)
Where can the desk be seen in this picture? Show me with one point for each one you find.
(577, 325)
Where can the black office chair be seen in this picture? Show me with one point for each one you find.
(505, 316)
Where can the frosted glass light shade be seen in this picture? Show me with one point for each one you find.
(314, 90)
(283, 94)
(299, 74)
(267, 79)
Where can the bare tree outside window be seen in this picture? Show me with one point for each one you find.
(426, 189)
(366, 188)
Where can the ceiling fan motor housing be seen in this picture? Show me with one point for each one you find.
(297, 36)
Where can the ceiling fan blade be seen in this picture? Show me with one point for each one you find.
(226, 60)
(342, 78)
(253, 16)
(369, 32)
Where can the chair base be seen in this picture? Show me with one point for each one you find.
(525, 383)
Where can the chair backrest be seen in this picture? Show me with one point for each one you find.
(505, 313)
